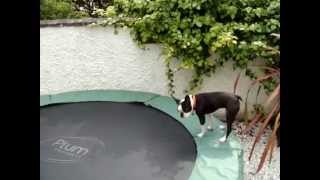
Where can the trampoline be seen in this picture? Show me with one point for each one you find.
(120, 135)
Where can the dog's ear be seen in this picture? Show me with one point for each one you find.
(187, 99)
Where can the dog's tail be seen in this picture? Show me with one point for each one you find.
(238, 97)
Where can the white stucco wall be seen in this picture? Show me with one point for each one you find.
(86, 58)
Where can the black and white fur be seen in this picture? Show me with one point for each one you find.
(207, 103)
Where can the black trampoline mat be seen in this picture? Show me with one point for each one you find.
(113, 141)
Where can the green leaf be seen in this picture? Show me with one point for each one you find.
(232, 11)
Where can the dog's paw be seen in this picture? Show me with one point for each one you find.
(200, 135)
(223, 139)
(222, 127)
(210, 128)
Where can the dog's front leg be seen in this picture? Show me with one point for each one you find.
(202, 119)
(210, 122)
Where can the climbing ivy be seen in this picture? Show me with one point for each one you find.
(190, 31)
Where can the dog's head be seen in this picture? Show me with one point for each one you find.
(185, 106)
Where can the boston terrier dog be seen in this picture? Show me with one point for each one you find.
(207, 103)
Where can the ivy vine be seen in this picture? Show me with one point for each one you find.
(190, 31)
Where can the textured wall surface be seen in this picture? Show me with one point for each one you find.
(86, 58)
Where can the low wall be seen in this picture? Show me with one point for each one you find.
(78, 57)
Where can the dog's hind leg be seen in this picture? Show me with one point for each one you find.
(230, 118)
